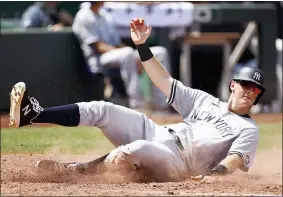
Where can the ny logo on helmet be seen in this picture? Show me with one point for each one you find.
(257, 76)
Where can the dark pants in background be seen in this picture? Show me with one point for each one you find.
(119, 94)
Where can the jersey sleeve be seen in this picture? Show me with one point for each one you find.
(89, 33)
(184, 99)
(85, 28)
(245, 146)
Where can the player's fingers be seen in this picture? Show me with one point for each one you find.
(133, 20)
(148, 29)
(203, 181)
(132, 25)
(209, 179)
(206, 179)
(141, 20)
(136, 20)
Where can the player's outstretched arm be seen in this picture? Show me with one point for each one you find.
(226, 166)
(155, 70)
(232, 163)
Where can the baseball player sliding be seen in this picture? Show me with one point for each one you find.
(214, 139)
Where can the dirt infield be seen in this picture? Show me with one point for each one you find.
(18, 177)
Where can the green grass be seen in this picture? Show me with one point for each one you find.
(45, 139)
(270, 136)
(79, 140)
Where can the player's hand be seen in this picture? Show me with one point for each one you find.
(205, 179)
(56, 27)
(139, 30)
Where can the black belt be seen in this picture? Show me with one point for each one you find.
(176, 139)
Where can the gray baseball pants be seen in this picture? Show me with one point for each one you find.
(147, 144)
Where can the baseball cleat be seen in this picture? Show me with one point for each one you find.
(53, 167)
(23, 110)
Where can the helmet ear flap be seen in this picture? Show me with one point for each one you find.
(258, 97)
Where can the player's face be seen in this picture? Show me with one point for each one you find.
(245, 92)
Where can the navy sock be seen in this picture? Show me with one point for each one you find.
(65, 115)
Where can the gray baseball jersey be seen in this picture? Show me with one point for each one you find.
(209, 131)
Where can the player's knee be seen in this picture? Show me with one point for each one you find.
(147, 155)
(159, 51)
(127, 52)
(140, 150)
(130, 155)
(138, 146)
(120, 157)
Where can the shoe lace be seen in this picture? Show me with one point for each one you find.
(35, 105)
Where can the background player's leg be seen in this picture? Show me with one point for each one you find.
(125, 59)
(158, 99)
(119, 124)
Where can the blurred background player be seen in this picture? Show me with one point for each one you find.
(104, 52)
(46, 14)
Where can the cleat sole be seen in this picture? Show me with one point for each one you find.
(16, 97)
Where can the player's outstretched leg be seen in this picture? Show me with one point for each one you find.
(119, 124)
